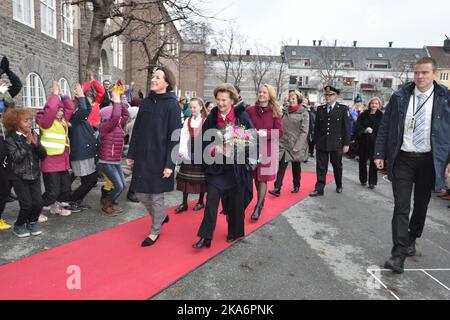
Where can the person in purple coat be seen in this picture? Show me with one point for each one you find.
(113, 120)
(266, 117)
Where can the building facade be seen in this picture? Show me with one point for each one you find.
(442, 57)
(354, 70)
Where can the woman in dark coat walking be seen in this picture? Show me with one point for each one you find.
(266, 117)
(224, 176)
(367, 130)
(153, 151)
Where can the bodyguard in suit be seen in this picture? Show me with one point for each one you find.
(332, 139)
(414, 139)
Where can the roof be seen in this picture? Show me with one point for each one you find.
(442, 58)
(358, 55)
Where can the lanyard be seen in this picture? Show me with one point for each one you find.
(420, 107)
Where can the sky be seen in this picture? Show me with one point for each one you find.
(408, 23)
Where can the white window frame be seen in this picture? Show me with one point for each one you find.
(65, 87)
(19, 12)
(47, 8)
(120, 54)
(34, 92)
(115, 47)
(67, 24)
(444, 76)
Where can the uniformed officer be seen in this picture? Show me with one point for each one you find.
(332, 137)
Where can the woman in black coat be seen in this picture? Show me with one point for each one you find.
(153, 151)
(226, 179)
(367, 129)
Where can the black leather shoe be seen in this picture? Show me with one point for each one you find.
(316, 193)
(363, 184)
(131, 196)
(339, 190)
(275, 192)
(295, 190)
(183, 207)
(149, 242)
(411, 250)
(256, 213)
(202, 243)
(372, 186)
(231, 239)
(395, 264)
(199, 206)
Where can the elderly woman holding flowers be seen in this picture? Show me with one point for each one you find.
(226, 176)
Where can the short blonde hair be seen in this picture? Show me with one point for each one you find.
(297, 94)
(227, 87)
(375, 99)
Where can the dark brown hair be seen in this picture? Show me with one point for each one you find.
(426, 60)
(226, 87)
(12, 118)
(169, 77)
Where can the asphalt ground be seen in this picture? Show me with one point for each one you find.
(325, 248)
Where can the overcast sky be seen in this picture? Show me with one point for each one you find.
(408, 23)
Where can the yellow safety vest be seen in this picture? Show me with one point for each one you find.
(55, 139)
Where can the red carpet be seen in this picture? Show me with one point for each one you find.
(113, 265)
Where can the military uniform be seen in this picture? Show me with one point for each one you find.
(332, 132)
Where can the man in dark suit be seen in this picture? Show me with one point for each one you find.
(414, 139)
(332, 139)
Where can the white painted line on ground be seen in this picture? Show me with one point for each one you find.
(436, 280)
(369, 270)
(381, 282)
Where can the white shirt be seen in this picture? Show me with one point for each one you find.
(184, 138)
(408, 145)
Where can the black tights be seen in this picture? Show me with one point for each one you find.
(261, 187)
(200, 198)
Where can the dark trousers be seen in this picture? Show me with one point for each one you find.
(87, 183)
(408, 172)
(373, 173)
(311, 146)
(322, 158)
(296, 173)
(57, 187)
(30, 200)
(235, 212)
(5, 189)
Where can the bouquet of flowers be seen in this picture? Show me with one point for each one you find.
(238, 136)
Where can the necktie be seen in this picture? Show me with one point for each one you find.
(419, 130)
(329, 109)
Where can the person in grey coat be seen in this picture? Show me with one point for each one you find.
(152, 146)
(293, 143)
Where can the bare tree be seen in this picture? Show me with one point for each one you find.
(282, 74)
(261, 67)
(124, 13)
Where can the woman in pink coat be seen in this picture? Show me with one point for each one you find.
(266, 117)
(55, 167)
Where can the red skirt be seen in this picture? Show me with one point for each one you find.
(191, 179)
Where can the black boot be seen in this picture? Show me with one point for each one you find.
(275, 192)
(131, 196)
(202, 243)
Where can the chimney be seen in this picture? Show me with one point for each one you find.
(214, 52)
(298, 42)
(354, 43)
(314, 43)
(320, 43)
(447, 45)
(390, 44)
(247, 53)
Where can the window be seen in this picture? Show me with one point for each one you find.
(378, 64)
(444, 76)
(300, 82)
(65, 87)
(117, 53)
(344, 64)
(380, 55)
(387, 83)
(193, 94)
(294, 53)
(348, 82)
(48, 17)
(67, 23)
(292, 80)
(23, 11)
(34, 94)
